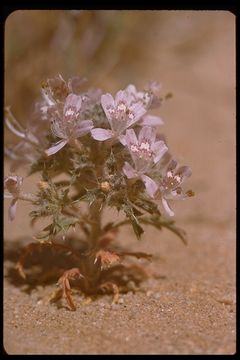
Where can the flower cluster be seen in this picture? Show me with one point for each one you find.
(119, 124)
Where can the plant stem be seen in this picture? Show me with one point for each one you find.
(95, 217)
(27, 197)
(18, 130)
(77, 145)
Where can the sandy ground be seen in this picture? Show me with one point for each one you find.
(190, 308)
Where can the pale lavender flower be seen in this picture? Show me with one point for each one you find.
(12, 185)
(121, 113)
(142, 96)
(147, 98)
(170, 185)
(145, 153)
(66, 123)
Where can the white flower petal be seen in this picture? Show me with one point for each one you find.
(74, 102)
(183, 172)
(131, 138)
(122, 139)
(121, 96)
(138, 110)
(57, 129)
(129, 171)
(101, 134)
(167, 207)
(147, 133)
(55, 148)
(159, 148)
(12, 209)
(132, 89)
(108, 103)
(151, 186)
(83, 128)
(150, 120)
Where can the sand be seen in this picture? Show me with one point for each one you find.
(191, 307)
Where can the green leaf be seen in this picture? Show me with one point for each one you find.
(129, 211)
(59, 224)
(159, 223)
(147, 205)
(137, 228)
(92, 195)
(136, 212)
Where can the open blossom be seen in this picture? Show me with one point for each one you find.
(136, 96)
(66, 123)
(146, 98)
(12, 187)
(149, 97)
(170, 185)
(121, 113)
(145, 153)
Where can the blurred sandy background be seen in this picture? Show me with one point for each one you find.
(192, 54)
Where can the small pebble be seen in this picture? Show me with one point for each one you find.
(157, 296)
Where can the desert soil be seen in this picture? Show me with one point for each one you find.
(190, 308)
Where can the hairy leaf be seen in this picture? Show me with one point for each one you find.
(91, 195)
(147, 205)
(131, 215)
(159, 223)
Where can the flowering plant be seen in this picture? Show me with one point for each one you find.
(109, 153)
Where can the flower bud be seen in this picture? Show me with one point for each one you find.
(13, 184)
(190, 193)
(105, 186)
(42, 185)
